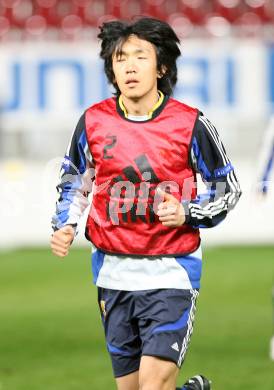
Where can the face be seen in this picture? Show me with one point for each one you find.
(135, 69)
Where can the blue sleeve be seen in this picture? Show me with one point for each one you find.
(209, 159)
(76, 177)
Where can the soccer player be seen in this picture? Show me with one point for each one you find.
(141, 151)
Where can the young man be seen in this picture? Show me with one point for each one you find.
(142, 150)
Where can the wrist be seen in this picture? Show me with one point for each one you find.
(182, 216)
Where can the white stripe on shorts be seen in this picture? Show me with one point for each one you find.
(190, 322)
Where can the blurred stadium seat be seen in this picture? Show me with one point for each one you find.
(38, 17)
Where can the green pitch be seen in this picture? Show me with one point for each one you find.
(51, 336)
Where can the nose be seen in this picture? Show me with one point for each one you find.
(130, 67)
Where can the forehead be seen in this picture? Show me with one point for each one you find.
(133, 43)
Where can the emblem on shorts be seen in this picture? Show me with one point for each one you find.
(103, 307)
(175, 346)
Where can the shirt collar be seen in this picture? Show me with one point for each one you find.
(150, 113)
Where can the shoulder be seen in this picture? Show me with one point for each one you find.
(103, 104)
(204, 127)
(177, 103)
(184, 110)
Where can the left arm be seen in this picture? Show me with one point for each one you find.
(208, 158)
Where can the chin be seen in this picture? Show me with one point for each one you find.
(135, 94)
(132, 95)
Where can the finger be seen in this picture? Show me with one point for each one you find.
(67, 229)
(56, 238)
(66, 240)
(61, 238)
(165, 195)
(166, 204)
(59, 248)
(65, 235)
(162, 205)
(169, 224)
(59, 243)
(166, 212)
(60, 253)
(168, 218)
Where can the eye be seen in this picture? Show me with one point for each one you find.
(142, 58)
(120, 59)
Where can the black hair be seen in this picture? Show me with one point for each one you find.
(115, 33)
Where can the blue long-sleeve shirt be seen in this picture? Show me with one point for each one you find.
(207, 157)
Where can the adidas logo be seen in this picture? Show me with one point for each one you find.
(144, 181)
(175, 346)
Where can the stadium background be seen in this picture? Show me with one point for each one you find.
(50, 332)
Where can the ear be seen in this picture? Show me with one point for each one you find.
(161, 72)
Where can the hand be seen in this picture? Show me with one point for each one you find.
(61, 241)
(170, 210)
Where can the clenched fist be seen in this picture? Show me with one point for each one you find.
(61, 241)
(170, 210)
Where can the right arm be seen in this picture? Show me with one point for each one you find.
(76, 176)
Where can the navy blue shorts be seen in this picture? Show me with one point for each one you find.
(148, 322)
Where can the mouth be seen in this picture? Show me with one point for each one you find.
(132, 82)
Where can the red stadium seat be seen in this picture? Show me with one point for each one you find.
(257, 6)
(2, 10)
(196, 10)
(35, 26)
(131, 8)
(70, 16)
(54, 11)
(269, 11)
(155, 8)
(71, 26)
(217, 26)
(105, 18)
(93, 11)
(181, 24)
(81, 3)
(4, 26)
(230, 9)
(10, 3)
(47, 9)
(249, 25)
(21, 12)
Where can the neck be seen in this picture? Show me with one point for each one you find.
(142, 105)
